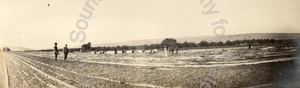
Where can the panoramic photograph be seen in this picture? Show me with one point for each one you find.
(149, 44)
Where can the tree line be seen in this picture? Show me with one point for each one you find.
(170, 42)
(5, 49)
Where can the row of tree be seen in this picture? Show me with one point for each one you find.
(172, 43)
(255, 42)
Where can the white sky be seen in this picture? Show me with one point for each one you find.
(32, 24)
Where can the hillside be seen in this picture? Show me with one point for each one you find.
(209, 38)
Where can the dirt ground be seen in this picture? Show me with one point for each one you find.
(188, 69)
(2, 80)
(3, 75)
(184, 57)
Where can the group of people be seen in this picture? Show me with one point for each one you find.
(65, 50)
(172, 49)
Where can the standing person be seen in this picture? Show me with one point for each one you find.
(169, 49)
(249, 46)
(66, 51)
(55, 51)
(166, 52)
(176, 49)
(172, 50)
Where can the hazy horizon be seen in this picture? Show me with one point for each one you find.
(35, 25)
(122, 42)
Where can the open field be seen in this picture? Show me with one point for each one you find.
(184, 58)
(188, 69)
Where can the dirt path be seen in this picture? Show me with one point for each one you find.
(3, 70)
(49, 76)
(25, 75)
(102, 78)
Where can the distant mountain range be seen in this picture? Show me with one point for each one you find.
(197, 39)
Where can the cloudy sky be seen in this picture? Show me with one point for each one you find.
(34, 24)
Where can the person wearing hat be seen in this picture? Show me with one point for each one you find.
(66, 51)
(55, 51)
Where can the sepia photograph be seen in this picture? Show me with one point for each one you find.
(149, 44)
